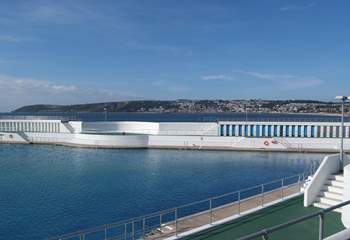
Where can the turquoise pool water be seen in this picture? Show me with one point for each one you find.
(50, 190)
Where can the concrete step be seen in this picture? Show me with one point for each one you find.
(323, 206)
(339, 177)
(329, 201)
(333, 189)
(333, 195)
(334, 183)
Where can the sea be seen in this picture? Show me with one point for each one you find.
(178, 117)
(48, 190)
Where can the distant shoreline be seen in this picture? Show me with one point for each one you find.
(193, 107)
(183, 113)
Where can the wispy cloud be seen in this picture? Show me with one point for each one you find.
(279, 81)
(266, 76)
(57, 12)
(170, 86)
(17, 91)
(217, 77)
(160, 48)
(13, 39)
(4, 61)
(297, 7)
(159, 83)
(24, 85)
(283, 81)
(178, 88)
(43, 12)
(154, 47)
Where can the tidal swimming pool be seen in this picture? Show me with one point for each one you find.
(49, 190)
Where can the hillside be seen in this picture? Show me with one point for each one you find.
(194, 106)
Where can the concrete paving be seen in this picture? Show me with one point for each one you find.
(228, 211)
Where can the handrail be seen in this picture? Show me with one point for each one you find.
(265, 232)
(38, 117)
(299, 177)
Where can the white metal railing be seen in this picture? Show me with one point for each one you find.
(265, 233)
(28, 117)
(16, 129)
(202, 133)
(166, 223)
(153, 132)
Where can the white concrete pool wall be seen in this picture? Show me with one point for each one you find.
(184, 135)
(152, 128)
(121, 127)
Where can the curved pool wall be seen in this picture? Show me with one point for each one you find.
(129, 127)
(260, 136)
(48, 190)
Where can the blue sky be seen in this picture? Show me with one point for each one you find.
(65, 52)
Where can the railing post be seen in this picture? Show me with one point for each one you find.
(265, 235)
(160, 219)
(105, 233)
(282, 188)
(211, 210)
(133, 229)
(239, 203)
(262, 194)
(125, 231)
(143, 227)
(82, 236)
(321, 226)
(176, 222)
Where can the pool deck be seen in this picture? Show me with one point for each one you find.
(273, 215)
(218, 216)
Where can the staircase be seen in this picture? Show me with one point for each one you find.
(25, 137)
(331, 193)
(68, 126)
